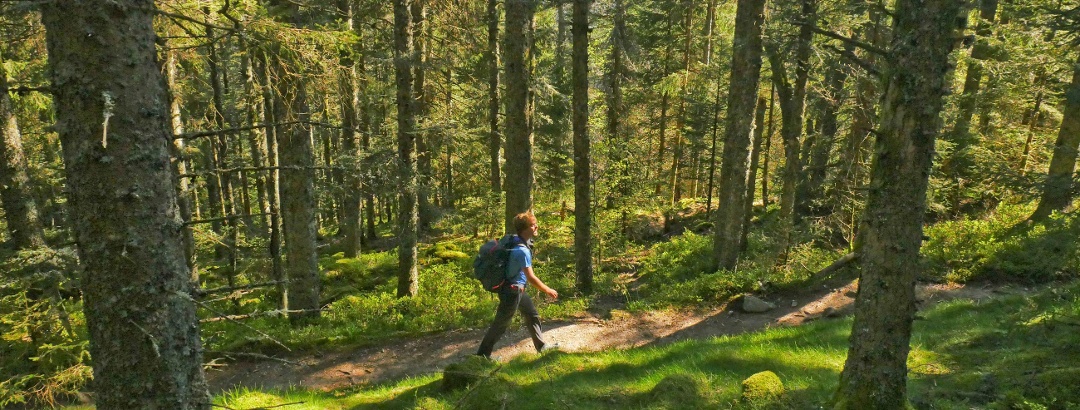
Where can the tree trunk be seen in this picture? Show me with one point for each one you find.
(677, 153)
(404, 58)
(959, 165)
(179, 165)
(273, 108)
(875, 373)
(350, 99)
(112, 119)
(370, 128)
(745, 76)
(751, 178)
(792, 106)
(615, 109)
(422, 53)
(519, 139)
(828, 104)
(297, 157)
(582, 156)
(492, 57)
(20, 211)
(256, 140)
(1057, 192)
(768, 148)
(662, 143)
(712, 150)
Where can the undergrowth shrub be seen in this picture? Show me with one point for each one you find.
(677, 273)
(44, 355)
(992, 248)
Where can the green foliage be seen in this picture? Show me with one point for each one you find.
(43, 341)
(993, 248)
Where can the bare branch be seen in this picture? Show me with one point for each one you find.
(865, 65)
(860, 44)
(261, 333)
(257, 314)
(204, 292)
(223, 218)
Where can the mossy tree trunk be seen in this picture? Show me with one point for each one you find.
(21, 213)
(745, 77)
(519, 139)
(113, 123)
(875, 373)
(1057, 191)
(296, 157)
(792, 93)
(408, 218)
(350, 145)
(582, 151)
(492, 60)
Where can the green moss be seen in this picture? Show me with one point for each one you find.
(466, 372)
(762, 387)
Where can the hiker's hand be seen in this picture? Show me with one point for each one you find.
(552, 293)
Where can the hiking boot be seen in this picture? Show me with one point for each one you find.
(549, 347)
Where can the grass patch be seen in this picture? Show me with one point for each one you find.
(1011, 352)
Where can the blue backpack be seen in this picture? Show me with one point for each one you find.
(491, 262)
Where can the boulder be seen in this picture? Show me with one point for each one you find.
(754, 304)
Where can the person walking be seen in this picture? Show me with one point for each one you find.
(512, 295)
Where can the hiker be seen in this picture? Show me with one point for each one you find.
(514, 297)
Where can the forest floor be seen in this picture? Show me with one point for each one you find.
(605, 326)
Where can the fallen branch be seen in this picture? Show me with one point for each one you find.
(223, 218)
(261, 333)
(256, 314)
(256, 356)
(225, 289)
(840, 263)
(476, 386)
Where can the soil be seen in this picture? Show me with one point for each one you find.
(604, 327)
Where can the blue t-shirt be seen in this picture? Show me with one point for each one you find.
(520, 258)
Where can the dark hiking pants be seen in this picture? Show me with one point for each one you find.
(511, 299)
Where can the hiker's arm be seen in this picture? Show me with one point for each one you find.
(539, 284)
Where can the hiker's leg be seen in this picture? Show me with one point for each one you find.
(508, 303)
(532, 320)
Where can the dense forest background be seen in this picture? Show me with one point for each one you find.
(211, 179)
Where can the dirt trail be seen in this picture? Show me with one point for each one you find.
(603, 328)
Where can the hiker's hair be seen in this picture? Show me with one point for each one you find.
(523, 221)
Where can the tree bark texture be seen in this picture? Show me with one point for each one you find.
(113, 122)
(350, 145)
(180, 166)
(519, 139)
(816, 168)
(408, 218)
(492, 57)
(421, 51)
(875, 373)
(296, 155)
(751, 177)
(745, 77)
(1058, 186)
(792, 93)
(21, 213)
(959, 165)
(582, 155)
